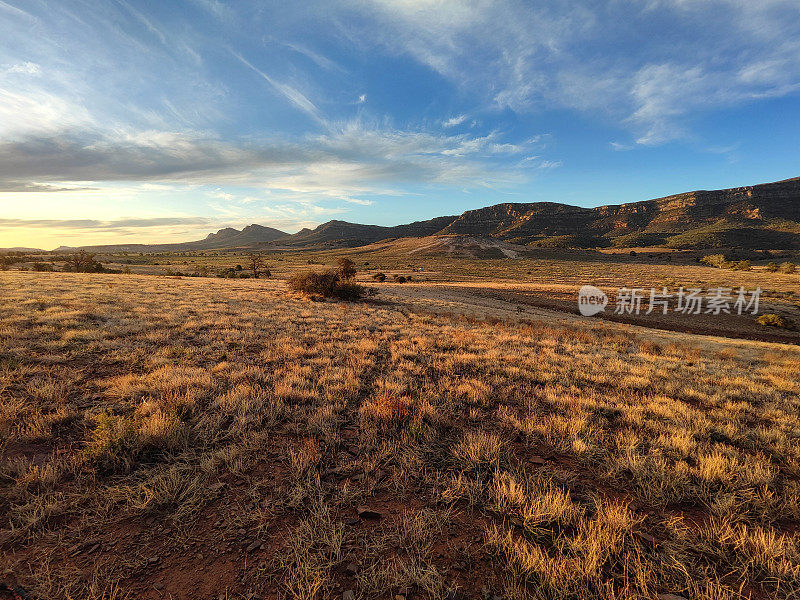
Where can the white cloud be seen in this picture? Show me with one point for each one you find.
(453, 121)
(26, 68)
(26, 113)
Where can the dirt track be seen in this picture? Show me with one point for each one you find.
(521, 301)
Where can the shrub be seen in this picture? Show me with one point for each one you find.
(232, 273)
(721, 262)
(742, 265)
(328, 284)
(716, 260)
(82, 262)
(379, 277)
(787, 267)
(399, 279)
(773, 320)
(771, 267)
(347, 268)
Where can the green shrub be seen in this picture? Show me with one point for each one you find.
(771, 267)
(773, 320)
(787, 267)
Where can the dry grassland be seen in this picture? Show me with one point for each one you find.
(206, 438)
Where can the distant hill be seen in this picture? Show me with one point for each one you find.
(229, 237)
(224, 238)
(21, 249)
(344, 234)
(765, 216)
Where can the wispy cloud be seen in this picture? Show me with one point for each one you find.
(5, 6)
(291, 94)
(620, 147)
(729, 52)
(453, 121)
(103, 225)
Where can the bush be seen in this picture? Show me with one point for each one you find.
(82, 262)
(42, 266)
(328, 284)
(721, 262)
(379, 277)
(771, 267)
(347, 268)
(773, 320)
(399, 279)
(716, 260)
(742, 265)
(7, 260)
(787, 267)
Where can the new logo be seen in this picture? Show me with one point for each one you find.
(591, 300)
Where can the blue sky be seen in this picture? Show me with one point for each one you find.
(134, 120)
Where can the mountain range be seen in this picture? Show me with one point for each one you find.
(765, 216)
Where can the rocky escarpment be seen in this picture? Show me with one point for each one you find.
(772, 210)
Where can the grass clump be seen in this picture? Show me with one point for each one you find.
(119, 442)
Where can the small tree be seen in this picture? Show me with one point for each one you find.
(347, 268)
(83, 262)
(256, 264)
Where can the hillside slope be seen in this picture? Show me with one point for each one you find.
(344, 234)
(766, 215)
